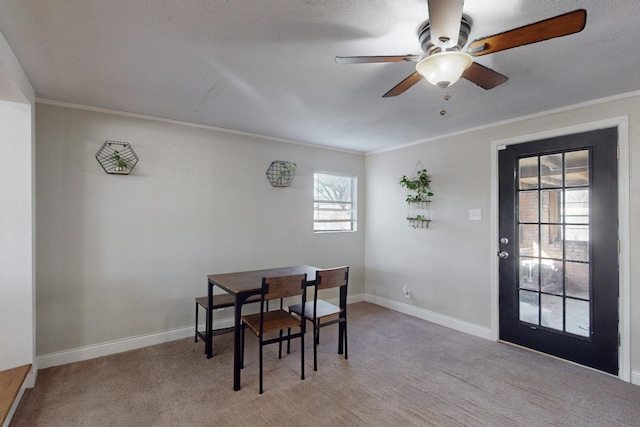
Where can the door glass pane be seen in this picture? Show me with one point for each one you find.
(576, 245)
(551, 241)
(528, 173)
(578, 317)
(529, 273)
(577, 279)
(529, 307)
(576, 206)
(551, 312)
(576, 167)
(528, 238)
(551, 170)
(528, 206)
(551, 206)
(551, 277)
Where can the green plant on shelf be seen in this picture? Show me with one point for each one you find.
(417, 221)
(287, 172)
(419, 184)
(287, 168)
(419, 198)
(121, 164)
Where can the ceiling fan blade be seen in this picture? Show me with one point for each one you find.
(484, 77)
(374, 59)
(403, 85)
(562, 25)
(444, 21)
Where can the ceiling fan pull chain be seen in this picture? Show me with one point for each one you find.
(446, 98)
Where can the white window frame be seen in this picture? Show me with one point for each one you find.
(352, 220)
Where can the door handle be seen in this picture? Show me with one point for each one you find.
(503, 254)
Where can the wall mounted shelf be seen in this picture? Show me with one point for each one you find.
(419, 222)
(418, 203)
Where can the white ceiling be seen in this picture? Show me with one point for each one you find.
(267, 67)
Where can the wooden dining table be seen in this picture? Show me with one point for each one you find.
(242, 285)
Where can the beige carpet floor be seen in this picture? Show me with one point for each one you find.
(402, 371)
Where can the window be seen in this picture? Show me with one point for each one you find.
(334, 202)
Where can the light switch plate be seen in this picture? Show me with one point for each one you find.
(475, 214)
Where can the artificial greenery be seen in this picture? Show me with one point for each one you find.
(287, 168)
(419, 184)
(121, 164)
(417, 220)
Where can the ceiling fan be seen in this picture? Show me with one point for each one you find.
(446, 32)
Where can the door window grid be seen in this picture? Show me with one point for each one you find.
(553, 229)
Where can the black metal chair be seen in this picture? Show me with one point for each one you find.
(322, 313)
(267, 322)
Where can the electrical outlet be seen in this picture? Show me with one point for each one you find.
(406, 292)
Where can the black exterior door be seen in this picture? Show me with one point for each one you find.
(558, 230)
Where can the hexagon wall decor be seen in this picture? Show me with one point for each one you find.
(117, 157)
(281, 173)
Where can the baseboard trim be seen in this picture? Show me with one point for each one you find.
(459, 325)
(111, 347)
(132, 343)
(14, 407)
(430, 316)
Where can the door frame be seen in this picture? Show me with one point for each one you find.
(624, 302)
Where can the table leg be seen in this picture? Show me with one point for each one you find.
(343, 303)
(237, 337)
(208, 322)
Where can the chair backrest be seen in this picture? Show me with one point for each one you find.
(332, 277)
(283, 286)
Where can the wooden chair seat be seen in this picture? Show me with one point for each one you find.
(323, 309)
(273, 321)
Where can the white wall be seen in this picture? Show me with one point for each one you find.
(124, 256)
(449, 265)
(445, 266)
(17, 323)
(16, 245)
(17, 237)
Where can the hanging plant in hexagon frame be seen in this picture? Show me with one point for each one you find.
(117, 157)
(281, 173)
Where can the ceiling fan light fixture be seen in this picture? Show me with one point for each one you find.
(445, 68)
